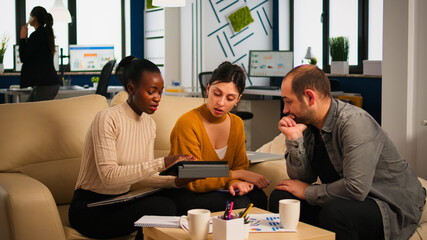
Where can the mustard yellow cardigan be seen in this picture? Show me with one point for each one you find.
(190, 137)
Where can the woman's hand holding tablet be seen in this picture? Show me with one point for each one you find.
(169, 161)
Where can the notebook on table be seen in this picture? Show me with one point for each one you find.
(256, 157)
(158, 221)
(164, 221)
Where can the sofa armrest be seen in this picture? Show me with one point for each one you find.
(275, 171)
(27, 209)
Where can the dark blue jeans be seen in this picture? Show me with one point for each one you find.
(349, 219)
(115, 220)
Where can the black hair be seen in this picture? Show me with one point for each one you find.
(45, 20)
(228, 72)
(130, 70)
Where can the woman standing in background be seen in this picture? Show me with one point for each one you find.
(36, 53)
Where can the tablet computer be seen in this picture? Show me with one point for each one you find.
(198, 169)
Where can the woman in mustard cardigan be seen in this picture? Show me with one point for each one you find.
(211, 133)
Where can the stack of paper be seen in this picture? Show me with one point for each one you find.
(158, 221)
(267, 223)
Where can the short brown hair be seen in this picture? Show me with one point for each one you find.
(309, 77)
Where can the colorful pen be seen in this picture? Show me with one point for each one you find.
(231, 209)
(227, 208)
(247, 210)
(227, 191)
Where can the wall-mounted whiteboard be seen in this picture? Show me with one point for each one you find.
(270, 63)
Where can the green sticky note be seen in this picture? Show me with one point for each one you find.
(240, 19)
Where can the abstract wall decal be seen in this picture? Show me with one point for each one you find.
(212, 38)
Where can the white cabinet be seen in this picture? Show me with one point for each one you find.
(162, 41)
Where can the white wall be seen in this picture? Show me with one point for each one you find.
(403, 82)
(420, 86)
(395, 58)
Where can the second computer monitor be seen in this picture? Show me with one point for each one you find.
(90, 57)
(270, 63)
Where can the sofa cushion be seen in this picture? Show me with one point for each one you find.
(274, 171)
(170, 109)
(45, 140)
(119, 98)
(275, 146)
(60, 176)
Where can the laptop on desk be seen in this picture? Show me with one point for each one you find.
(257, 157)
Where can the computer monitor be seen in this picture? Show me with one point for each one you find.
(90, 57)
(270, 63)
(17, 64)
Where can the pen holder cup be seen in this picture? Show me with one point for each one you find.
(66, 82)
(227, 229)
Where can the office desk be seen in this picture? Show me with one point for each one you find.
(304, 231)
(277, 93)
(17, 94)
(273, 93)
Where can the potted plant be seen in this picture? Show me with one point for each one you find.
(95, 81)
(339, 47)
(4, 39)
(313, 61)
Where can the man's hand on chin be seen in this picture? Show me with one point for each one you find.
(291, 129)
(295, 187)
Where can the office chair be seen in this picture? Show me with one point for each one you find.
(104, 79)
(204, 78)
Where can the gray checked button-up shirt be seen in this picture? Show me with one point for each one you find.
(369, 166)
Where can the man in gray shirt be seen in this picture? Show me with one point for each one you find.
(368, 190)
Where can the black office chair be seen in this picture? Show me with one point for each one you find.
(204, 78)
(104, 79)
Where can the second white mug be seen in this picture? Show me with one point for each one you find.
(289, 210)
(198, 223)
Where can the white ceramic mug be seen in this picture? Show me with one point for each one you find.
(198, 223)
(289, 210)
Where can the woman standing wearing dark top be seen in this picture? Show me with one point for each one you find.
(36, 53)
